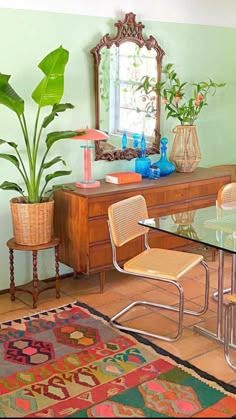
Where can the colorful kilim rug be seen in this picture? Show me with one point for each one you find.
(69, 362)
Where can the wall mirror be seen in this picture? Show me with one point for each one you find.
(119, 63)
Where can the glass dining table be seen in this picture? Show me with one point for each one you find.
(205, 227)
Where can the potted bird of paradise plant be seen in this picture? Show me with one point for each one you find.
(34, 199)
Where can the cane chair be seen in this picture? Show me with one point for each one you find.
(231, 168)
(225, 205)
(152, 263)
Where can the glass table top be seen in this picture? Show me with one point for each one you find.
(201, 225)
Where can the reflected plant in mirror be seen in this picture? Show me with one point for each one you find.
(118, 63)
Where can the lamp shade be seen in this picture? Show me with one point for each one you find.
(89, 134)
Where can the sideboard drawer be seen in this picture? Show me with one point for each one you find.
(208, 187)
(100, 256)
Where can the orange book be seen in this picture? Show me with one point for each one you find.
(123, 177)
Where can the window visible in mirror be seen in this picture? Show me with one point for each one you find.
(127, 31)
(126, 66)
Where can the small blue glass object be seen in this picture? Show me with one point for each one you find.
(143, 145)
(135, 140)
(124, 140)
(154, 172)
(165, 166)
(143, 163)
(142, 166)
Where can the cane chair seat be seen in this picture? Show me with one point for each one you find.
(168, 264)
(158, 264)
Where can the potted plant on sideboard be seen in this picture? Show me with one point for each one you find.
(32, 211)
(183, 102)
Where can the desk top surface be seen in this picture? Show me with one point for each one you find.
(176, 178)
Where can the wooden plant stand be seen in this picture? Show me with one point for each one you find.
(12, 245)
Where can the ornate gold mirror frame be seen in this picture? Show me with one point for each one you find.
(127, 31)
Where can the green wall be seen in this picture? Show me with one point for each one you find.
(198, 52)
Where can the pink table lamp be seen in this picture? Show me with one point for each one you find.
(89, 134)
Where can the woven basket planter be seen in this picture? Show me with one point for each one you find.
(32, 223)
(185, 152)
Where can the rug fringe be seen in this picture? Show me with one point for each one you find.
(33, 314)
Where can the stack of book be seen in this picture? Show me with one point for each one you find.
(123, 177)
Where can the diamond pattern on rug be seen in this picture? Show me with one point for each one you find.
(28, 351)
(69, 362)
(77, 336)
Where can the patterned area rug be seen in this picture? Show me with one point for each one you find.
(69, 362)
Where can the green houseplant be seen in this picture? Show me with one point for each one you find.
(37, 145)
(183, 102)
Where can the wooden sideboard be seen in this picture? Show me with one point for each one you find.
(80, 215)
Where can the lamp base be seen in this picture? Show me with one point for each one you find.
(91, 184)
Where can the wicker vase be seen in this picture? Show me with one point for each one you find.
(184, 218)
(32, 223)
(185, 152)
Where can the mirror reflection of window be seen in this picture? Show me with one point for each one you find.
(104, 88)
(121, 106)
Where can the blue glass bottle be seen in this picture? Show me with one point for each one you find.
(165, 166)
(124, 140)
(143, 145)
(135, 140)
(143, 163)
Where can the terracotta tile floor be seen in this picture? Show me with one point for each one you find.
(121, 289)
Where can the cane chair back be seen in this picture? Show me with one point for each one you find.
(231, 169)
(226, 198)
(154, 263)
(124, 226)
(225, 204)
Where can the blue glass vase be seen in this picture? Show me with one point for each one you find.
(135, 140)
(165, 166)
(142, 166)
(124, 140)
(143, 163)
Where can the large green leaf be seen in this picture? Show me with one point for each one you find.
(10, 143)
(57, 174)
(8, 96)
(58, 107)
(54, 161)
(52, 137)
(11, 186)
(51, 88)
(13, 159)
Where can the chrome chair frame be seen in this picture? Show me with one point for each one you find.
(189, 260)
(229, 343)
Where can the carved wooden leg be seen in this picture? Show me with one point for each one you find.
(102, 281)
(35, 279)
(57, 272)
(12, 280)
